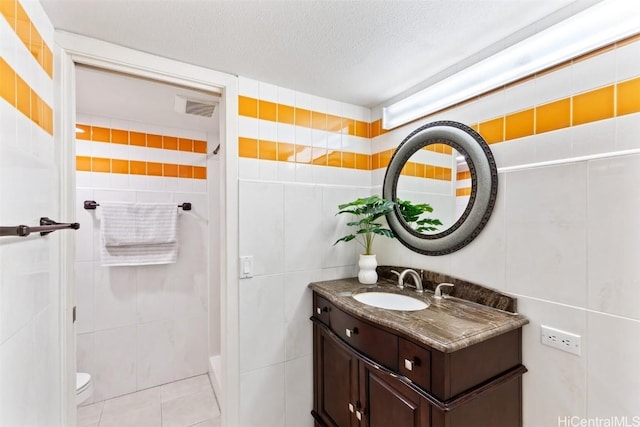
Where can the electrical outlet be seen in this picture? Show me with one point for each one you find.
(565, 341)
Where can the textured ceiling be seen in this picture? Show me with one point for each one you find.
(360, 52)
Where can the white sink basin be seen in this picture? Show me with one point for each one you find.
(391, 301)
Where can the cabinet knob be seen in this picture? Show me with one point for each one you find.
(320, 310)
(408, 364)
(359, 415)
(350, 332)
(351, 408)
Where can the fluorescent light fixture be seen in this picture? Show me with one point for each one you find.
(595, 27)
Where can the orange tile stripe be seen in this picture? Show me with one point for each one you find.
(19, 95)
(439, 148)
(599, 104)
(463, 175)
(422, 170)
(282, 113)
(297, 153)
(134, 167)
(462, 192)
(603, 103)
(21, 24)
(594, 105)
(126, 137)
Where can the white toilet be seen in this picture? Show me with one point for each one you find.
(84, 388)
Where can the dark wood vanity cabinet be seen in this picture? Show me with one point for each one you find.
(351, 392)
(368, 376)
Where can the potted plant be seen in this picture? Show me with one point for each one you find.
(367, 211)
(411, 214)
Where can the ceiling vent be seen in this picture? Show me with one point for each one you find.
(194, 107)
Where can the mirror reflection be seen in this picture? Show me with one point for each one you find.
(434, 189)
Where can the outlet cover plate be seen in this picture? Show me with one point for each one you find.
(563, 340)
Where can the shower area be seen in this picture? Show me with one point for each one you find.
(143, 141)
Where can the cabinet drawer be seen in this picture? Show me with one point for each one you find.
(321, 309)
(414, 362)
(379, 345)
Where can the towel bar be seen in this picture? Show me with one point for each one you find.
(47, 226)
(92, 204)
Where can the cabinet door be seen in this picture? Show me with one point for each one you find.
(389, 402)
(336, 385)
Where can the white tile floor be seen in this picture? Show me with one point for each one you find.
(185, 403)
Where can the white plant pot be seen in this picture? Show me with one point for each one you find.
(367, 274)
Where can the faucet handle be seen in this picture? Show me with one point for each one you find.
(400, 281)
(438, 293)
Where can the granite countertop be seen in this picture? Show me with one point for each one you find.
(447, 325)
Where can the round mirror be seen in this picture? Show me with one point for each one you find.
(443, 179)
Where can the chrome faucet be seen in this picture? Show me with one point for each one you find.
(416, 279)
(438, 293)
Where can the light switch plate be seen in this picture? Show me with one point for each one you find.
(246, 267)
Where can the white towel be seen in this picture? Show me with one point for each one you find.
(138, 233)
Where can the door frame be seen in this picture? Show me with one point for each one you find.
(87, 51)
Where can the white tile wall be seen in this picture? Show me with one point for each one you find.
(114, 362)
(514, 153)
(115, 293)
(596, 72)
(303, 231)
(627, 61)
(190, 352)
(612, 381)
(154, 365)
(299, 392)
(261, 213)
(297, 311)
(556, 382)
(593, 138)
(627, 131)
(551, 145)
(553, 86)
(263, 397)
(262, 322)
(288, 224)
(613, 237)
(18, 359)
(484, 262)
(546, 240)
(30, 330)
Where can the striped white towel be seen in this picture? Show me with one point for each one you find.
(138, 233)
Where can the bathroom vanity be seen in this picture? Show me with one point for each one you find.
(456, 363)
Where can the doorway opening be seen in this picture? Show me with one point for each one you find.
(145, 141)
(80, 50)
